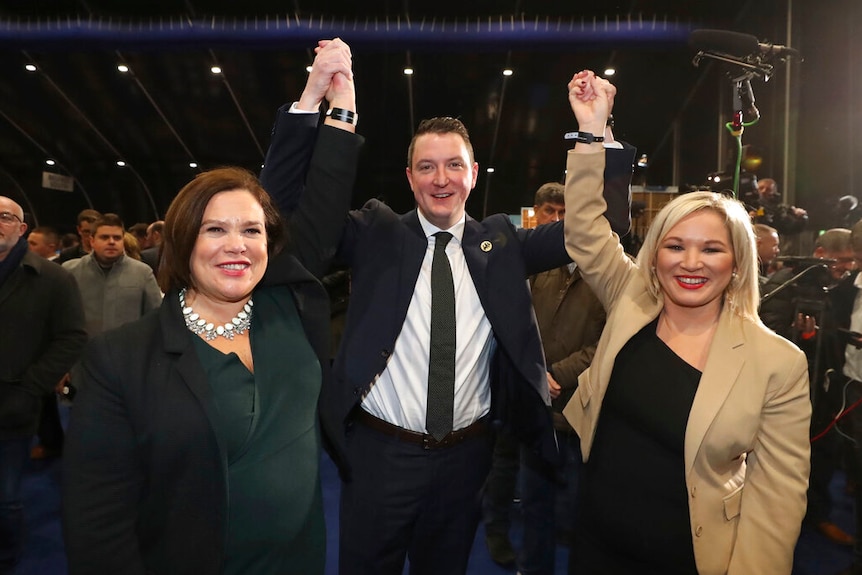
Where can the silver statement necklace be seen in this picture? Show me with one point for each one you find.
(198, 325)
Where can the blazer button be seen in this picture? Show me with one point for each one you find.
(384, 353)
(698, 531)
(357, 390)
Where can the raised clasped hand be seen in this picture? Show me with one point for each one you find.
(331, 76)
(592, 100)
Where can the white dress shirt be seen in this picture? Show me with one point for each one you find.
(399, 395)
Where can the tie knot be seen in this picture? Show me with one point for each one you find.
(442, 239)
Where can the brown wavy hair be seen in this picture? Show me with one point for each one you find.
(183, 221)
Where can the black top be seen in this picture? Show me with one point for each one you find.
(634, 514)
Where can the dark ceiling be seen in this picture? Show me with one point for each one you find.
(170, 109)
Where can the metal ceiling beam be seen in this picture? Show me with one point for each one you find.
(86, 119)
(238, 106)
(157, 108)
(23, 193)
(46, 154)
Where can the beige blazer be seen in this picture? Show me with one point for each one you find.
(746, 442)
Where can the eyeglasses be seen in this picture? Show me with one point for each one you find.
(9, 218)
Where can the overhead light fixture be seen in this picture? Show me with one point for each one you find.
(193, 164)
(507, 72)
(30, 67)
(121, 163)
(122, 68)
(215, 70)
(50, 162)
(408, 71)
(610, 71)
(490, 170)
(308, 69)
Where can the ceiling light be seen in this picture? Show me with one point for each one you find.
(50, 162)
(30, 67)
(610, 71)
(193, 164)
(408, 71)
(122, 68)
(490, 170)
(121, 163)
(215, 70)
(308, 69)
(507, 72)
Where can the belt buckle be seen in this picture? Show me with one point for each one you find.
(428, 441)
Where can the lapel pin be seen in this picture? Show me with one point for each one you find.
(485, 246)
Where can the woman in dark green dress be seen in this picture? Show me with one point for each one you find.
(194, 444)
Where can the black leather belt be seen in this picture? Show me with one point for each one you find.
(477, 428)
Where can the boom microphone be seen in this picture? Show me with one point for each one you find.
(736, 44)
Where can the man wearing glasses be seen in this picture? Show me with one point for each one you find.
(86, 222)
(43, 336)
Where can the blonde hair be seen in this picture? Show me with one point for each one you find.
(741, 294)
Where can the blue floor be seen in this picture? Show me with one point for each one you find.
(44, 554)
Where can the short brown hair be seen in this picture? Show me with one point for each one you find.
(443, 125)
(183, 221)
(139, 230)
(88, 216)
(108, 220)
(550, 193)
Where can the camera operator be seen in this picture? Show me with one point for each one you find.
(808, 311)
(788, 220)
(767, 250)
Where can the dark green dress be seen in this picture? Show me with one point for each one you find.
(267, 427)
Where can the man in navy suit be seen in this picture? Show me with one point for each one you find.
(405, 493)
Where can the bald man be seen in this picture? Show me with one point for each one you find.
(42, 337)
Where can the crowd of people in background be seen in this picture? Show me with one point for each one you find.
(429, 430)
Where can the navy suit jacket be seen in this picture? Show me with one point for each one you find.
(385, 250)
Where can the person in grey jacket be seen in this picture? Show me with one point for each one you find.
(115, 289)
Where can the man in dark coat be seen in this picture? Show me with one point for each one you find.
(42, 336)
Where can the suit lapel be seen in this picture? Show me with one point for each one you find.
(725, 361)
(477, 260)
(177, 341)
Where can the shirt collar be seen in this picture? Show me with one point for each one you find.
(430, 229)
(857, 281)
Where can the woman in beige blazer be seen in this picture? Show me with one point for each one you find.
(699, 462)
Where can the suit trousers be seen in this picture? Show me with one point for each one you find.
(501, 486)
(407, 501)
(14, 454)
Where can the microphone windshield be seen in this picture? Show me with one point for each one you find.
(733, 43)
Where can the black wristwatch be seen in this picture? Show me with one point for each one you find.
(583, 137)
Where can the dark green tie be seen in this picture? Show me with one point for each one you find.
(441, 364)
